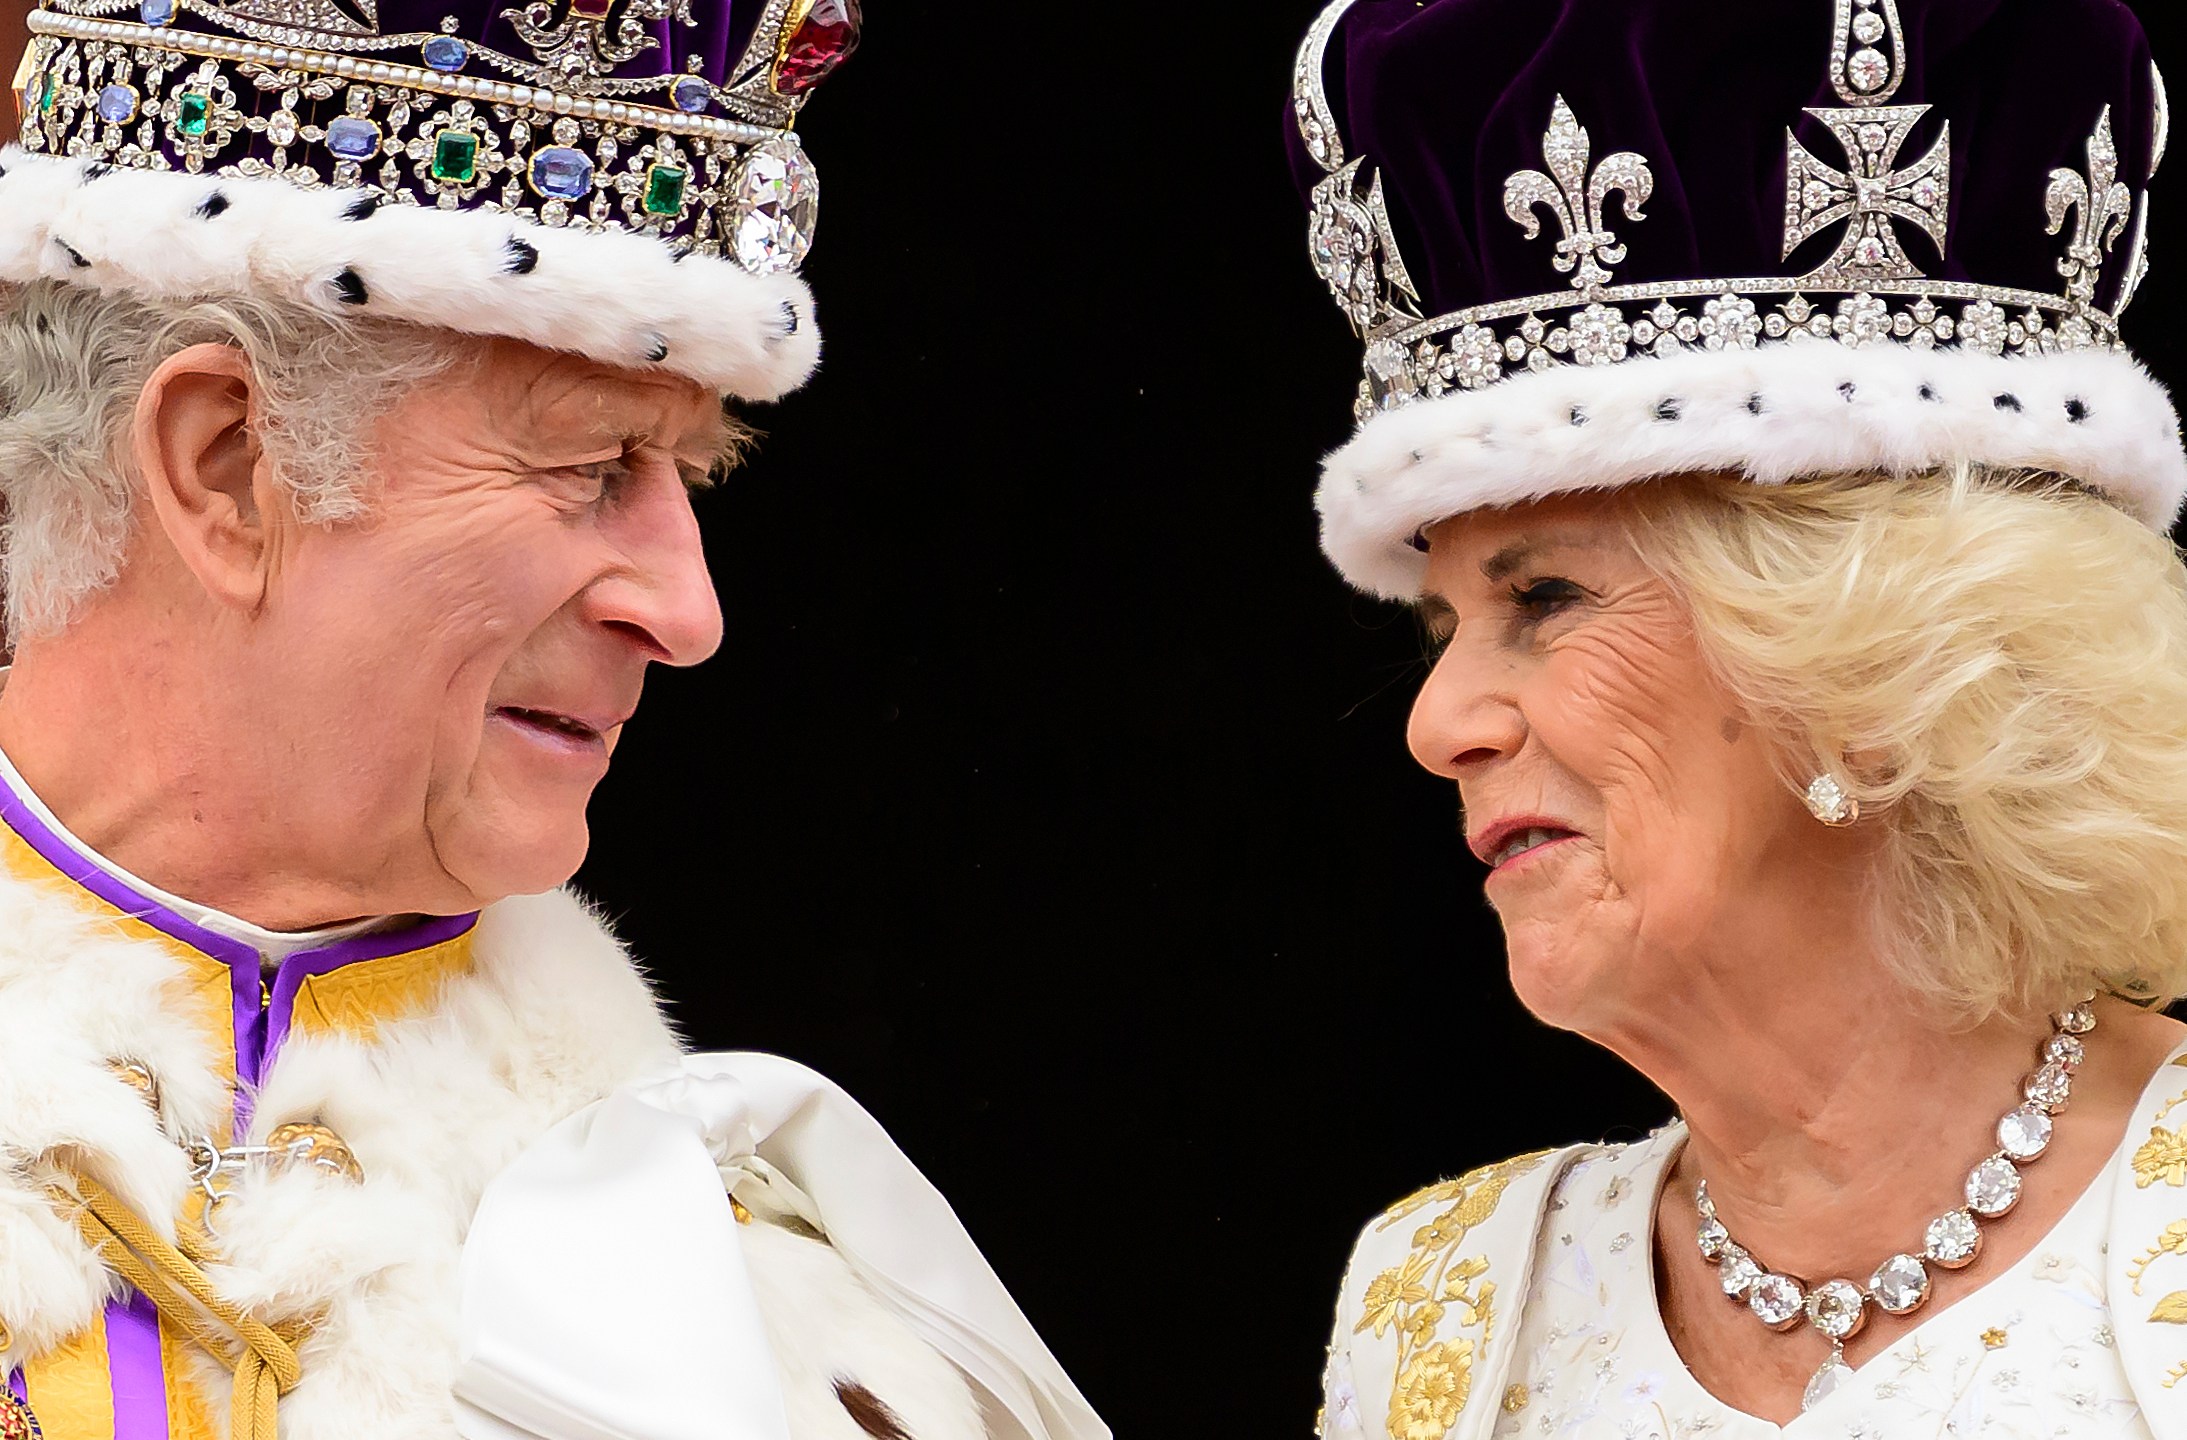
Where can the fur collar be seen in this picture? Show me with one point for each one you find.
(543, 1015)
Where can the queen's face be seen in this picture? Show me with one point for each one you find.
(1628, 810)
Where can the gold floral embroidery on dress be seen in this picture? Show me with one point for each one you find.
(2171, 1310)
(1432, 1285)
(2163, 1156)
(2172, 1242)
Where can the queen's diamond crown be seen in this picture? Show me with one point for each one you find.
(1887, 205)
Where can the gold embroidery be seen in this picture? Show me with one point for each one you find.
(1431, 1391)
(1391, 1291)
(1994, 1338)
(1486, 1183)
(1515, 1399)
(2172, 1242)
(2163, 1156)
(2177, 1100)
(1432, 1284)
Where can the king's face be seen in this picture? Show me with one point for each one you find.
(531, 549)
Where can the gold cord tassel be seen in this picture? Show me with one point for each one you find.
(262, 1356)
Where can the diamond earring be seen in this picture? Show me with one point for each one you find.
(1827, 801)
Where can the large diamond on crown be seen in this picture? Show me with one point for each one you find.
(778, 200)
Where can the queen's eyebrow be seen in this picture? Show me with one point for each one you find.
(1510, 558)
(1529, 549)
(1435, 611)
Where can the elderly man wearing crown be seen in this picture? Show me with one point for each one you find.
(357, 361)
(1746, 413)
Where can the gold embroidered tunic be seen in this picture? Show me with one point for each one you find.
(130, 1374)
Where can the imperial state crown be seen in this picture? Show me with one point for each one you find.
(614, 177)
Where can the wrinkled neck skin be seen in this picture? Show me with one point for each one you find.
(1834, 1113)
(116, 728)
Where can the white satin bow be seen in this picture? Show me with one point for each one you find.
(623, 1211)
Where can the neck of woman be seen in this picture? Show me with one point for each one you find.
(1831, 1148)
(1834, 1119)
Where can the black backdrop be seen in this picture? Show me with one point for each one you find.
(1050, 791)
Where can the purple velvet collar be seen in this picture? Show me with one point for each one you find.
(263, 1004)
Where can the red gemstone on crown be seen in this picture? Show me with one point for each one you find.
(590, 9)
(822, 40)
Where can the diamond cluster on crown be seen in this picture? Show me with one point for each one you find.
(1870, 289)
(152, 98)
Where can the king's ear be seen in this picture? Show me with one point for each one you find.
(209, 483)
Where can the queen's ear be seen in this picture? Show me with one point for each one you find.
(209, 483)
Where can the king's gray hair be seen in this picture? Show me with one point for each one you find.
(73, 362)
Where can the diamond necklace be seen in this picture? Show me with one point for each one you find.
(1900, 1285)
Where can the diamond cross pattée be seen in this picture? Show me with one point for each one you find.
(1869, 195)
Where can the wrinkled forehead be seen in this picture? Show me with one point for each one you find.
(527, 394)
(1497, 542)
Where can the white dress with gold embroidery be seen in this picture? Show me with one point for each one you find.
(1520, 1301)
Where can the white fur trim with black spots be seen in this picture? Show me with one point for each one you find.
(619, 298)
(1781, 412)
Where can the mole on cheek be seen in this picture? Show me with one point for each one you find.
(1731, 730)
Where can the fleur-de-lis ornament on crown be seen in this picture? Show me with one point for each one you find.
(2105, 204)
(1578, 198)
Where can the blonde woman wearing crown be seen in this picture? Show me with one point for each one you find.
(1812, 671)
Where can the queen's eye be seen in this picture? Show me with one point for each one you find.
(1539, 598)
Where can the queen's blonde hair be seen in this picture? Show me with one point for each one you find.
(1995, 666)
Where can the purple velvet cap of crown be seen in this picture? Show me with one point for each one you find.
(1448, 98)
(716, 42)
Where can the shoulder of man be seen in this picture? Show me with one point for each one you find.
(550, 975)
(1429, 1307)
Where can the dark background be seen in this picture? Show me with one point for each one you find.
(1050, 791)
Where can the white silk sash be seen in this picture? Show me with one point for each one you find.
(622, 1212)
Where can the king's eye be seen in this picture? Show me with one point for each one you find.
(597, 477)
